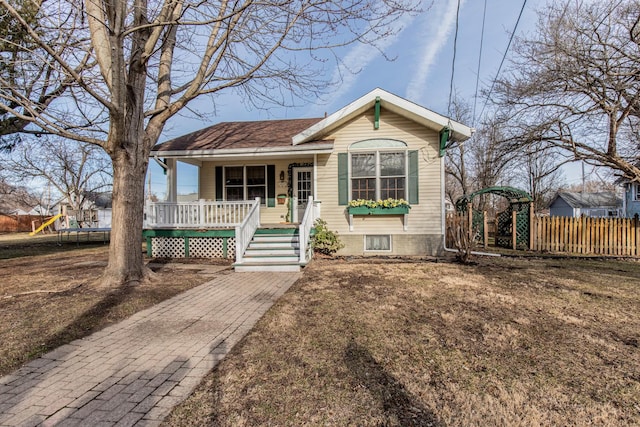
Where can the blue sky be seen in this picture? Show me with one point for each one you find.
(421, 71)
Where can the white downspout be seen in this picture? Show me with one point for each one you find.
(315, 176)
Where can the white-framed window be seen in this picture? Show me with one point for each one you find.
(245, 182)
(636, 192)
(377, 242)
(378, 175)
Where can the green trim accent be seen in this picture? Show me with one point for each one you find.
(444, 137)
(363, 210)
(343, 178)
(376, 119)
(378, 143)
(189, 233)
(413, 178)
(225, 247)
(271, 186)
(186, 247)
(219, 184)
(514, 195)
(263, 231)
(149, 251)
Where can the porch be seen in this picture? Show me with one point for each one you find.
(230, 229)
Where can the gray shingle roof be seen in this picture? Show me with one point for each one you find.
(590, 200)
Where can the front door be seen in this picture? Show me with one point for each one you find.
(302, 189)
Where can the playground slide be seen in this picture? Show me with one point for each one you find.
(39, 229)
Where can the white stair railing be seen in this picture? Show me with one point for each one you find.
(246, 230)
(311, 213)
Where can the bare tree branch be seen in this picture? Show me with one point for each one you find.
(575, 85)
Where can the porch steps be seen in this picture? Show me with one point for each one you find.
(274, 249)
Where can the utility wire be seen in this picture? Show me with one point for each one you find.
(493, 83)
(475, 96)
(453, 62)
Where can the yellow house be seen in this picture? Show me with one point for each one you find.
(373, 170)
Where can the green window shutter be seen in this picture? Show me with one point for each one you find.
(413, 177)
(219, 184)
(343, 178)
(271, 186)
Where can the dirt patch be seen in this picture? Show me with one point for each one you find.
(504, 342)
(49, 299)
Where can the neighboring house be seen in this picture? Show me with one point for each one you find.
(595, 205)
(380, 146)
(631, 199)
(95, 211)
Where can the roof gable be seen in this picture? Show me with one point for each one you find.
(389, 102)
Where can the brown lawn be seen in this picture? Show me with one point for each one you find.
(507, 341)
(48, 295)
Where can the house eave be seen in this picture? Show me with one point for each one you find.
(389, 102)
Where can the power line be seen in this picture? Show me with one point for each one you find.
(504, 56)
(453, 62)
(475, 96)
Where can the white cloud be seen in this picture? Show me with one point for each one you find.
(360, 56)
(438, 26)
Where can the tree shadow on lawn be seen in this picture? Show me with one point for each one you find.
(91, 320)
(400, 407)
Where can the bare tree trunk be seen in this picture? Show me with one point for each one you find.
(125, 250)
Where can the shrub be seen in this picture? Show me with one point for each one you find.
(463, 240)
(325, 241)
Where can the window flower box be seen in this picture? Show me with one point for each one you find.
(365, 207)
(365, 210)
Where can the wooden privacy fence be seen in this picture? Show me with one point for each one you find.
(585, 236)
(457, 223)
(589, 236)
(17, 223)
(515, 232)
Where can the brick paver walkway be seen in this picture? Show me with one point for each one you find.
(134, 372)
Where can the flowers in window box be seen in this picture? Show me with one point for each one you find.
(383, 204)
(378, 207)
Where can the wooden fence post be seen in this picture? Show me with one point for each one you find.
(636, 232)
(532, 217)
(514, 229)
(485, 227)
(470, 221)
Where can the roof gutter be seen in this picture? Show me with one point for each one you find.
(316, 149)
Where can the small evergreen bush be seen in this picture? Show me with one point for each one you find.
(325, 241)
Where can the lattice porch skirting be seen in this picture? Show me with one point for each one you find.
(190, 244)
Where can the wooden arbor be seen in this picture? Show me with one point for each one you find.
(513, 226)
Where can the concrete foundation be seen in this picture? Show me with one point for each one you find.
(401, 244)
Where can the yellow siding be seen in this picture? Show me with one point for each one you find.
(207, 184)
(268, 215)
(424, 217)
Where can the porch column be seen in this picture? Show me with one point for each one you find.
(172, 180)
(315, 177)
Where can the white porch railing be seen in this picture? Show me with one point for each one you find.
(246, 230)
(198, 214)
(311, 213)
